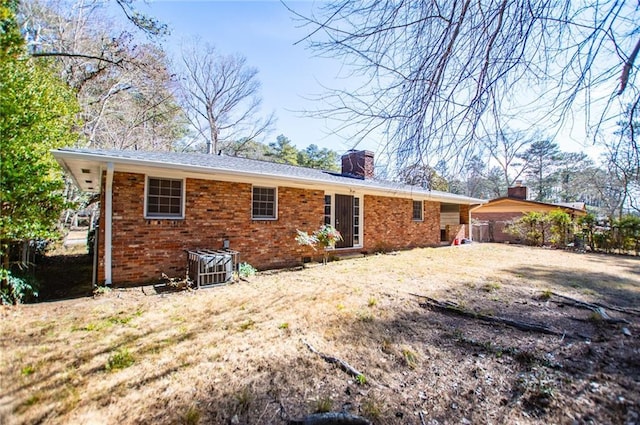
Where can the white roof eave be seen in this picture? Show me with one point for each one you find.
(67, 158)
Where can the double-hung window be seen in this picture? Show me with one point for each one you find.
(164, 198)
(417, 211)
(264, 204)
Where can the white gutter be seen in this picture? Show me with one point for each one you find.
(108, 212)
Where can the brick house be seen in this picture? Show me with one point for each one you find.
(157, 205)
(491, 219)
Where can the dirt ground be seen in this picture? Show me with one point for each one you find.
(235, 354)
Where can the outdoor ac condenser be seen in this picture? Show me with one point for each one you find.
(211, 267)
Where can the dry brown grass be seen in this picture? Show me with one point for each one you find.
(233, 354)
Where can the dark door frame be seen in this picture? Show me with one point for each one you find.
(343, 219)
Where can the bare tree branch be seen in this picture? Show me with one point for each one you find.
(626, 70)
(76, 55)
(438, 77)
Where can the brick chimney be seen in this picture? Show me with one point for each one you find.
(518, 191)
(358, 164)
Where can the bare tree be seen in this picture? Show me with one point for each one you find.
(423, 176)
(440, 74)
(124, 88)
(505, 149)
(135, 108)
(622, 158)
(575, 178)
(220, 94)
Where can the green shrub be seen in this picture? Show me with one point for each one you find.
(629, 229)
(247, 324)
(246, 270)
(21, 289)
(546, 294)
(538, 229)
(410, 358)
(27, 370)
(560, 228)
(121, 359)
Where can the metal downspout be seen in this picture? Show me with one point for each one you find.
(108, 219)
(470, 225)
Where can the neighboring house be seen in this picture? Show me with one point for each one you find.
(155, 206)
(491, 218)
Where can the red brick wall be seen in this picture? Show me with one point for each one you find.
(519, 192)
(389, 224)
(214, 211)
(455, 231)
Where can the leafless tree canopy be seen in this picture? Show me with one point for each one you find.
(442, 73)
(124, 88)
(220, 94)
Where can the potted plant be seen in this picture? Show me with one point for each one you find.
(326, 236)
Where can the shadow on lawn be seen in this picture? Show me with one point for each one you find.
(448, 360)
(64, 277)
(606, 287)
(65, 384)
(629, 262)
(453, 369)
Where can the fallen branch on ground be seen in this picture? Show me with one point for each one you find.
(330, 418)
(175, 283)
(451, 307)
(334, 360)
(596, 308)
(629, 310)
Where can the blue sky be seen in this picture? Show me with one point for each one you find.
(265, 32)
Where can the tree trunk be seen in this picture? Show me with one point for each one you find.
(4, 280)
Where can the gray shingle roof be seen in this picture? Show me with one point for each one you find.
(232, 165)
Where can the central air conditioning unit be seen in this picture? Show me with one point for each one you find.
(207, 267)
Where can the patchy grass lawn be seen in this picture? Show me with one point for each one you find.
(234, 354)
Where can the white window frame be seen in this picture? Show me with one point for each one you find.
(155, 216)
(275, 203)
(360, 223)
(330, 195)
(413, 217)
